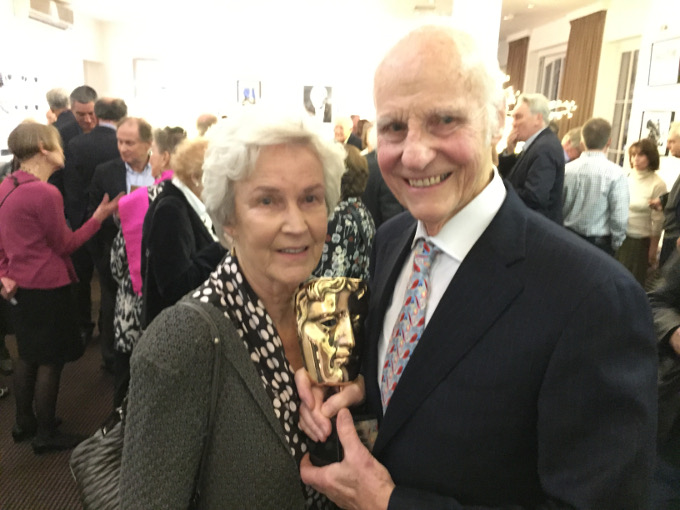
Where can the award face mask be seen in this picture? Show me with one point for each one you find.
(330, 317)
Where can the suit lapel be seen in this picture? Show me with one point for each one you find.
(521, 159)
(482, 288)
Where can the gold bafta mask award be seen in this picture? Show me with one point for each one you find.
(330, 318)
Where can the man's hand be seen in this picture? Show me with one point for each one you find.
(655, 204)
(511, 142)
(359, 481)
(107, 207)
(674, 340)
(315, 414)
(9, 288)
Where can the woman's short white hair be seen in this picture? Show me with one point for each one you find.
(235, 144)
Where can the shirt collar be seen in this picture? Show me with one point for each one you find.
(533, 137)
(144, 173)
(460, 233)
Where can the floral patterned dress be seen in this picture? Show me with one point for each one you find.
(348, 242)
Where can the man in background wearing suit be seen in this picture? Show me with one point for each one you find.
(670, 202)
(70, 123)
(121, 175)
(66, 124)
(83, 153)
(537, 173)
(530, 377)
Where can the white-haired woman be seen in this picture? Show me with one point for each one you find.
(270, 183)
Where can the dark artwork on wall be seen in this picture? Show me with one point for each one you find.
(318, 101)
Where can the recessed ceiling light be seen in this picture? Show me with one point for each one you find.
(530, 6)
(508, 17)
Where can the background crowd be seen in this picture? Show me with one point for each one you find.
(537, 350)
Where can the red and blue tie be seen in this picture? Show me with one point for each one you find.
(411, 321)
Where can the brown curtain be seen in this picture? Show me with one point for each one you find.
(517, 63)
(581, 67)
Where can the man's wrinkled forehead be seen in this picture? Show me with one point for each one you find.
(427, 58)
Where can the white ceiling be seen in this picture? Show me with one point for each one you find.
(518, 15)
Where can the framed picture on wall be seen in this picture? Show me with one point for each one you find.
(664, 66)
(318, 101)
(248, 92)
(655, 126)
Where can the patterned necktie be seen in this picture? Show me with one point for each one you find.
(411, 321)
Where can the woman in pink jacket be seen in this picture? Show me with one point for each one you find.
(37, 276)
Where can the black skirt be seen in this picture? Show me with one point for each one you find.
(46, 327)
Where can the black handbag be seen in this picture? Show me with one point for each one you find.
(95, 463)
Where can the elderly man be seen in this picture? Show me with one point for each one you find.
(527, 375)
(65, 121)
(596, 194)
(121, 175)
(537, 173)
(670, 202)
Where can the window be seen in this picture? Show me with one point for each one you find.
(550, 69)
(622, 104)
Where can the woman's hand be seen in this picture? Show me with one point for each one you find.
(9, 288)
(315, 413)
(107, 207)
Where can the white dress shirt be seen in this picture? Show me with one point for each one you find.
(455, 240)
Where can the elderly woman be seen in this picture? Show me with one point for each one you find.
(350, 228)
(639, 249)
(270, 183)
(36, 271)
(126, 256)
(179, 246)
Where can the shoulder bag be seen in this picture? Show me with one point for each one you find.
(95, 463)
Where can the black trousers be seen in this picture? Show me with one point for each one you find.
(604, 243)
(84, 266)
(101, 253)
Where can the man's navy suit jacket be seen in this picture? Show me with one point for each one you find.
(83, 154)
(537, 174)
(534, 382)
(108, 178)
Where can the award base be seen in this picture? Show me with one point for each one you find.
(328, 452)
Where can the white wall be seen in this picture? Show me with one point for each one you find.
(46, 56)
(202, 49)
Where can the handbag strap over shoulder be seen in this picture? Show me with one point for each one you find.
(215, 334)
